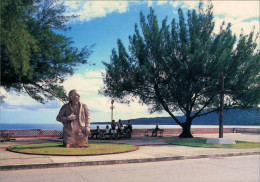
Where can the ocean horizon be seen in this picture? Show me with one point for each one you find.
(59, 126)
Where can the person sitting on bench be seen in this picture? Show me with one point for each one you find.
(96, 132)
(154, 133)
(107, 132)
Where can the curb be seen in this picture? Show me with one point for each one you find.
(110, 162)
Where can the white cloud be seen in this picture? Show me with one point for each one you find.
(88, 85)
(238, 13)
(88, 10)
(21, 102)
(94, 74)
(150, 3)
(231, 9)
(15, 99)
(237, 25)
(237, 9)
(184, 4)
(159, 2)
(82, 83)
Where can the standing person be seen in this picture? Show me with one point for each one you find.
(129, 129)
(76, 122)
(156, 129)
(119, 128)
(113, 129)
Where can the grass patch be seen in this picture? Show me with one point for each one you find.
(201, 142)
(57, 148)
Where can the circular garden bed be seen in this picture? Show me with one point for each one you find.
(56, 148)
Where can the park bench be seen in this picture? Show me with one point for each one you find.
(7, 136)
(100, 134)
(160, 132)
(146, 133)
(125, 135)
(103, 135)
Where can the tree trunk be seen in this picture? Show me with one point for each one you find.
(186, 130)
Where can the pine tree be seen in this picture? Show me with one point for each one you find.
(178, 67)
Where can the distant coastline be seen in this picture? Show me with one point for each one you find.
(15, 126)
(231, 118)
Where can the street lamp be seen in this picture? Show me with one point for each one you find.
(112, 108)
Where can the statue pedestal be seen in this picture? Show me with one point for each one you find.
(76, 146)
(220, 141)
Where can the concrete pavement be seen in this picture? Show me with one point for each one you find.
(228, 169)
(151, 149)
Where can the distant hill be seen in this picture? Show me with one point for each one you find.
(231, 117)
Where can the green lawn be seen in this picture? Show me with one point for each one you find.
(58, 149)
(201, 142)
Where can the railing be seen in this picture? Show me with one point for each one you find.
(246, 130)
(28, 133)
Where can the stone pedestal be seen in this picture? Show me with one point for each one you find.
(76, 140)
(220, 141)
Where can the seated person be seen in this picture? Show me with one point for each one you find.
(96, 132)
(129, 128)
(113, 129)
(156, 129)
(108, 131)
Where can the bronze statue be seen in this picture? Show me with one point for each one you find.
(76, 122)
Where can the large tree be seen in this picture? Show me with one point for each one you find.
(35, 56)
(178, 67)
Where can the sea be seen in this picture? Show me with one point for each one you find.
(59, 126)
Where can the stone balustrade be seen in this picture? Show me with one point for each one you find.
(28, 133)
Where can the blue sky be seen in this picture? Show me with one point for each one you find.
(102, 23)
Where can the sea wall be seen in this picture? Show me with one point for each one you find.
(28, 133)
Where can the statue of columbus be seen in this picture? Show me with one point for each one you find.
(76, 122)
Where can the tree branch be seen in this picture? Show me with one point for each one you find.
(199, 115)
(205, 105)
(165, 106)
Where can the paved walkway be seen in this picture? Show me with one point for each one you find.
(150, 149)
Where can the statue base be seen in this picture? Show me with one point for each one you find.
(75, 146)
(220, 141)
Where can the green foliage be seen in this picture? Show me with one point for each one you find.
(35, 59)
(17, 40)
(178, 66)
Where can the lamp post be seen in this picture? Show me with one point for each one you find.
(112, 108)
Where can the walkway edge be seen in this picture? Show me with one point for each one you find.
(110, 162)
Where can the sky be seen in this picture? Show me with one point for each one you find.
(102, 23)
